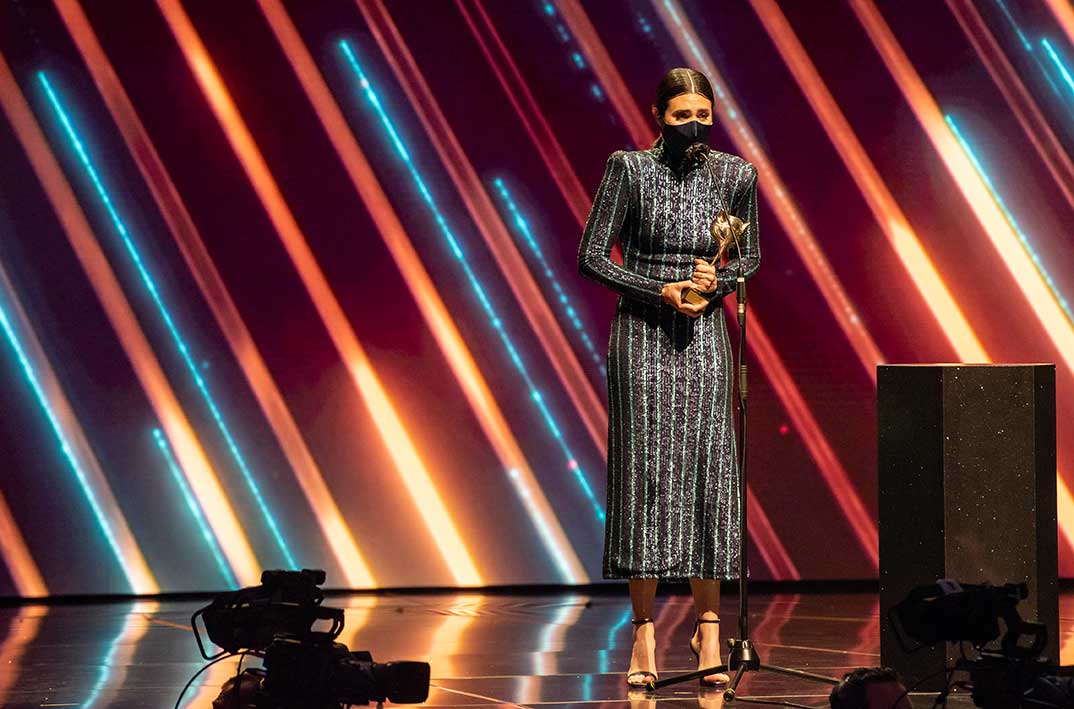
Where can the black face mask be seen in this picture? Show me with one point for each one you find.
(677, 138)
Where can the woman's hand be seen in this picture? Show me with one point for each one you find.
(672, 295)
(704, 276)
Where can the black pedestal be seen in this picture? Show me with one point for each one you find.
(967, 491)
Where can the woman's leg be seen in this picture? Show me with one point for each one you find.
(643, 597)
(707, 635)
(643, 657)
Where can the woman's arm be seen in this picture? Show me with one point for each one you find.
(601, 231)
(744, 206)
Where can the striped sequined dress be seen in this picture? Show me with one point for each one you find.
(672, 473)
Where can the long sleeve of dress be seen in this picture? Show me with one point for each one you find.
(602, 229)
(744, 207)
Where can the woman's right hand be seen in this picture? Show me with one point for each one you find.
(672, 295)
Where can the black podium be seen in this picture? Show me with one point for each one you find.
(967, 491)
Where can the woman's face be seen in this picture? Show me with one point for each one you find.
(685, 108)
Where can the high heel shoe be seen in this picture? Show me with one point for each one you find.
(695, 647)
(646, 676)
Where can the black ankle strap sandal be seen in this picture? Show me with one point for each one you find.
(646, 677)
(697, 650)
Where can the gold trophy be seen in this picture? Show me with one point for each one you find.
(726, 228)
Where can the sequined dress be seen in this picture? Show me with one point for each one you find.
(672, 508)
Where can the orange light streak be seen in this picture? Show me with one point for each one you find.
(1008, 246)
(528, 294)
(835, 476)
(186, 234)
(773, 553)
(410, 264)
(1064, 15)
(192, 459)
(448, 640)
(801, 236)
(20, 563)
(885, 209)
(25, 626)
(131, 560)
(1036, 127)
(409, 465)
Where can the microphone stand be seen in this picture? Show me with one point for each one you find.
(743, 656)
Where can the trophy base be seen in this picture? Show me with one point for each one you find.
(693, 297)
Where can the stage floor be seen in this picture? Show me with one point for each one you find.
(554, 649)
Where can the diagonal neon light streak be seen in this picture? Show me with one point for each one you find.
(1034, 124)
(887, 211)
(475, 282)
(340, 539)
(165, 314)
(896, 227)
(831, 470)
(1023, 238)
(1059, 65)
(45, 385)
(523, 226)
(426, 296)
(98, 270)
(516, 90)
(530, 299)
(1064, 15)
(412, 471)
(801, 235)
(195, 509)
(65, 448)
(1029, 280)
(1034, 55)
(20, 563)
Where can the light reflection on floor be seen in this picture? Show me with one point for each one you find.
(555, 649)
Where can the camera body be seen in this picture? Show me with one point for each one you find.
(303, 668)
(317, 672)
(1009, 675)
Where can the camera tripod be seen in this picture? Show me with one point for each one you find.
(742, 656)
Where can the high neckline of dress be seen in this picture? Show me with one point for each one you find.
(659, 152)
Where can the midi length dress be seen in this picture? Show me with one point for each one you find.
(672, 508)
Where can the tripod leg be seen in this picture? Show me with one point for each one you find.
(729, 693)
(800, 674)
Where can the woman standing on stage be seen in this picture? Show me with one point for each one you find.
(672, 468)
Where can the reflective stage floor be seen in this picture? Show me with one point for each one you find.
(554, 649)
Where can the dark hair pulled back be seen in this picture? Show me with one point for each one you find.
(683, 80)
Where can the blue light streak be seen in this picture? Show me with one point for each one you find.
(195, 509)
(65, 446)
(165, 314)
(1018, 30)
(1035, 55)
(543, 531)
(105, 673)
(612, 633)
(523, 227)
(472, 278)
(1059, 65)
(1022, 237)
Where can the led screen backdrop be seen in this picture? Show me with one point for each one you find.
(295, 284)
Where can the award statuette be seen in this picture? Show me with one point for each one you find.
(726, 228)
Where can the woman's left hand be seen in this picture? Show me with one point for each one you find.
(704, 276)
